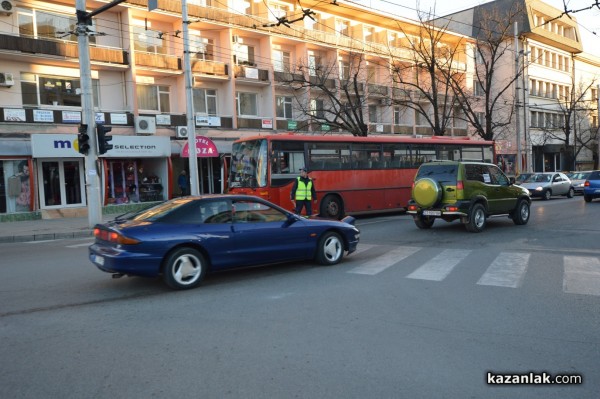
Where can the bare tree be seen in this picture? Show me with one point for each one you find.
(492, 92)
(422, 79)
(570, 124)
(330, 93)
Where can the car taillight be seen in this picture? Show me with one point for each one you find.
(412, 208)
(113, 236)
(587, 183)
(460, 185)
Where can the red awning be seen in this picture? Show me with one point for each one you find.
(205, 148)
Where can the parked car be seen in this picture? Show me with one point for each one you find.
(184, 238)
(547, 184)
(522, 177)
(591, 187)
(578, 179)
(469, 191)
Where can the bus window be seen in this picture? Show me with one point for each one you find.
(362, 155)
(422, 153)
(397, 155)
(249, 164)
(329, 156)
(289, 153)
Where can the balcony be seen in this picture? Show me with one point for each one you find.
(212, 68)
(251, 74)
(29, 45)
(157, 61)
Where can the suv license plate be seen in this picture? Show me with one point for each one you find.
(432, 213)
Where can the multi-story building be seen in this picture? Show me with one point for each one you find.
(556, 110)
(243, 54)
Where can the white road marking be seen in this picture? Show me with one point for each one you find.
(362, 248)
(582, 275)
(85, 244)
(41, 241)
(384, 261)
(439, 267)
(507, 270)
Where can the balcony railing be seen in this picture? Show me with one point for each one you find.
(210, 68)
(241, 71)
(159, 61)
(61, 48)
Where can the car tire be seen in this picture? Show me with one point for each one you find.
(477, 219)
(547, 195)
(571, 193)
(521, 213)
(184, 268)
(331, 208)
(587, 198)
(423, 222)
(330, 249)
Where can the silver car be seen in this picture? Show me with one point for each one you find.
(547, 184)
(578, 180)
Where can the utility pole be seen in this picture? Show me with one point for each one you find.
(518, 166)
(189, 101)
(92, 180)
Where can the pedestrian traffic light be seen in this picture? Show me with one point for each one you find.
(103, 139)
(83, 139)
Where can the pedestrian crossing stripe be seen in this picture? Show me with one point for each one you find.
(508, 269)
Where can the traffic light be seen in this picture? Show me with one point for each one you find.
(83, 139)
(103, 139)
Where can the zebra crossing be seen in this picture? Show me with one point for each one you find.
(508, 269)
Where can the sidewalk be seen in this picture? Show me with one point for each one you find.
(47, 229)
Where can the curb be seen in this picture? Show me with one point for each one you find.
(45, 237)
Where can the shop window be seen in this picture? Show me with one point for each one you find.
(15, 187)
(54, 90)
(134, 181)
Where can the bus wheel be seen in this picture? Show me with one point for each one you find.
(331, 207)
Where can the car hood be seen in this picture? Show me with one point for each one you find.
(533, 186)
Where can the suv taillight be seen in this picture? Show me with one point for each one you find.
(460, 185)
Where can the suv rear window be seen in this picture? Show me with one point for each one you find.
(443, 173)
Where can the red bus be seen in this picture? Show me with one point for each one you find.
(352, 175)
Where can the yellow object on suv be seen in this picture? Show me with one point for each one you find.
(469, 191)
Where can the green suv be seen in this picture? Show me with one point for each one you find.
(469, 191)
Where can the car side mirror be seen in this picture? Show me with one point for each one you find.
(511, 180)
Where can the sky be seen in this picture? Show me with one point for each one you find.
(588, 20)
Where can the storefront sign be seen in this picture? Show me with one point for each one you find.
(14, 115)
(208, 120)
(71, 117)
(118, 119)
(100, 118)
(267, 123)
(163, 120)
(139, 147)
(205, 148)
(40, 115)
(292, 125)
(55, 146)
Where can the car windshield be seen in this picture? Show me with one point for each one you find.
(579, 176)
(538, 178)
(249, 164)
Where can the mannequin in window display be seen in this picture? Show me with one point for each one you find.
(24, 198)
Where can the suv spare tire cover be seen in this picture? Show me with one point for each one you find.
(427, 192)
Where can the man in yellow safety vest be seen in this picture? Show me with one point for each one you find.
(303, 193)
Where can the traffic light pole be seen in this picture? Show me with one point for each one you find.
(92, 180)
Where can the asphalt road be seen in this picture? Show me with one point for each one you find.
(413, 314)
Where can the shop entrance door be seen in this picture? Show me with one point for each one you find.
(61, 183)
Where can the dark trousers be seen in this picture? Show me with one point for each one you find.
(304, 204)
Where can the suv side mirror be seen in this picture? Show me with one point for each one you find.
(511, 180)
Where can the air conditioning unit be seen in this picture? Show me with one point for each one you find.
(7, 7)
(7, 79)
(182, 132)
(145, 124)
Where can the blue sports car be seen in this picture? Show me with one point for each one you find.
(184, 238)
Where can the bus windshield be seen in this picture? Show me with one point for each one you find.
(249, 164)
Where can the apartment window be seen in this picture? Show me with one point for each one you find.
(241, 6)
(283, 107)
(277, 11)
(246, 104)
(53, 90)
(478, 88)
(316, 108)
(532, 87)
(203, 47)
(43, 24)
(480, 118)
(478, 57)
(243, 54)
(344, 70)
(281, 61)
(153, 98)
(594, 121)
(459, 119)
(151, 41)
(314, 61)
(368, 33)
(341, 27)
(205, 101)
(373, 114)
(594, 94)
(533, 119)
(403, 116)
